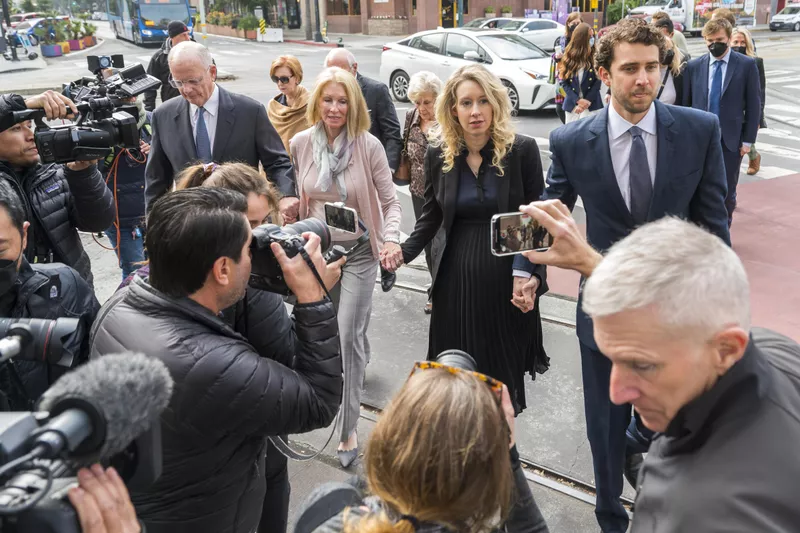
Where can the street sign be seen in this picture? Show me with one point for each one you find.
(259, 13)
(594, 4)
(262, 26)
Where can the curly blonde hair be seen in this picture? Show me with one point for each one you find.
(449, 135)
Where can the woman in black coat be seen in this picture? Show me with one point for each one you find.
(673, 67)
(742, 42)
(475, 169)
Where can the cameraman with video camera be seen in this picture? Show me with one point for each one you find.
(46, 291)
(228, 394)
(58, 199)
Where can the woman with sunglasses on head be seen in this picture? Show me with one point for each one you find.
(287, 111)
(337, 160)
(478, 167)
(441, 459)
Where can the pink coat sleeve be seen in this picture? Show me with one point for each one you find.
(382, 179)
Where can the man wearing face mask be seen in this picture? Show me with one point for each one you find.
(36, 291)
(726, 83)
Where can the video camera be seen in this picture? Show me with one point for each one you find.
(106, 120)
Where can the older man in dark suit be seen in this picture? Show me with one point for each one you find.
(385, 125)
(637, 161)
(727, 84)
(209, 124)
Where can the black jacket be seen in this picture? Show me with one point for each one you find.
(159, 68)
(385, 125)
(47, 291)
(227, 396)
(728, 461)
(58, 203)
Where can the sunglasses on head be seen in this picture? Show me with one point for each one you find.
(282, 79)
(493, 384)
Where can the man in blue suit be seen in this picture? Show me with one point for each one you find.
(727, 85)
(637, 161)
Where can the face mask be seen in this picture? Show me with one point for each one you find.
(740, 49)
(8, 275)
(591, 41)
(718, 49)
(668, 57)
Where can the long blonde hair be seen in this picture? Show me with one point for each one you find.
(357, 113)
(449, 135)
(440, 454)
(750, 50)
(677, 61)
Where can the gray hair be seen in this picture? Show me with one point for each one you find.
(190, 51)
(424, 82)
(691, 276)
(336, 52)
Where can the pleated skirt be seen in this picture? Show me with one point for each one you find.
(472, 311)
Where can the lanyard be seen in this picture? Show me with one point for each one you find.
(663, 83)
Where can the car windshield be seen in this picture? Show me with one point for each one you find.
(794, 10)
(16, 18)
(656, 2)
(475, 23)
(160, 15)
(512, 47)
(514, 25)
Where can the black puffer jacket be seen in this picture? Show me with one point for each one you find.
(159, 67)
(58, 202)
(46, 291)
(226, 398)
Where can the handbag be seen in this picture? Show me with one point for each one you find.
(403, 172)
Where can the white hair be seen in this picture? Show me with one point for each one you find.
(424, 82)
(190, 51)
(337, 52)
(692, 278)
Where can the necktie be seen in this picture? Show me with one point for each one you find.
(203, 144)
(640, 182)
(716, 89)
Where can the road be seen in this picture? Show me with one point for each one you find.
(551, 431)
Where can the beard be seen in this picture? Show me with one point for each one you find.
(631, 104)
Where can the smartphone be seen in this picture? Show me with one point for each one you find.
(338, 216)
(514, 233)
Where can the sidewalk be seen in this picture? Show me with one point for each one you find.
(23, 64)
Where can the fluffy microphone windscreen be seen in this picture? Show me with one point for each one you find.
(131, 390)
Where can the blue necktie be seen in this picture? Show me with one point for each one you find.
(202, 143)
(640, 183)
(716, 89)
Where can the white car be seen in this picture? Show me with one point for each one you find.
(787, 19)
(523, 67)
(543, 33)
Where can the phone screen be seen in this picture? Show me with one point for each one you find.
(514, 233)
(340, 217)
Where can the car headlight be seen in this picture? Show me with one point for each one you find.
(148, 33)
(535, 75)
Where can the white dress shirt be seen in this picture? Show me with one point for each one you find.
(210, 116)
(711, 67)
(620, 141)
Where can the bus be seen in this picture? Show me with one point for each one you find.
(146, 21)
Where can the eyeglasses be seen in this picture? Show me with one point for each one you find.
(495, 385)
(281, 79)
(191, 83)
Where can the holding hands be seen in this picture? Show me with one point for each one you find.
(391, 256)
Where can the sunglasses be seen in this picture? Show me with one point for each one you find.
(281, 79)
(493, 384)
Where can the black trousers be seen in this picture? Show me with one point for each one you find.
(732, 163)
(275, 513)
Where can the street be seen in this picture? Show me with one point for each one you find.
(551, 432)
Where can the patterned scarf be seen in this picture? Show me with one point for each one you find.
(332, 163)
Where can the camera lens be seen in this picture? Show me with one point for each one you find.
(457, 359)
(312, 225)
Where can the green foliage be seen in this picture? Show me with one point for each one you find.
(488, 9)
(74, 30)
(506, 9)
(28, 6)
(248, 23)
(44, 5)
(614, 10)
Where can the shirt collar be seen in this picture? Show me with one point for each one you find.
(212, 104)
(617, 126)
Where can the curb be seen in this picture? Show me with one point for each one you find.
(311, 43)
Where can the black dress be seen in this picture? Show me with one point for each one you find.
(472, 309)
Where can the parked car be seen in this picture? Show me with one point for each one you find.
(488, 23)
(543, 33)
(522, 66)
(21, 17)
(787, 19)
(31, 25)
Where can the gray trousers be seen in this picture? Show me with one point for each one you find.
(352, 298)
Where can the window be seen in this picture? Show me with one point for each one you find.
(512, 47)
(540, 25)
(344, 7)
(429, 43)
(458, 45)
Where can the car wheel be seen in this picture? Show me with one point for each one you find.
(34, 40)
(797, 26)
(399, 85)
(513, 95)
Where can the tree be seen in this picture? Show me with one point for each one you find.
(28, 6)
(44, 5)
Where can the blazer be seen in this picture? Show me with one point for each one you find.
(690, 179)
(383, 116)
(678, 81)
(522, 183)
(369, 173)
(244, 134)
(740, 103)
(762, 79)
(589, 86)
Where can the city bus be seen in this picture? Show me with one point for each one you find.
(145, 21)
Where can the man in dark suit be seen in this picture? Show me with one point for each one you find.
(385, 125)
(637, 161)
(209, 124)
(727, 85)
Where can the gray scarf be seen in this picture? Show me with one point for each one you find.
(331, 164)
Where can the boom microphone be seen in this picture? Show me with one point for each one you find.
(98, 409)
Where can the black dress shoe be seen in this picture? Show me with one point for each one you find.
(387, 279)
(633, 464)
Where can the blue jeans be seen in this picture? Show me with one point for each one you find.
(131, 250)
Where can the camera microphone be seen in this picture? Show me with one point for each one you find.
(97, 410)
